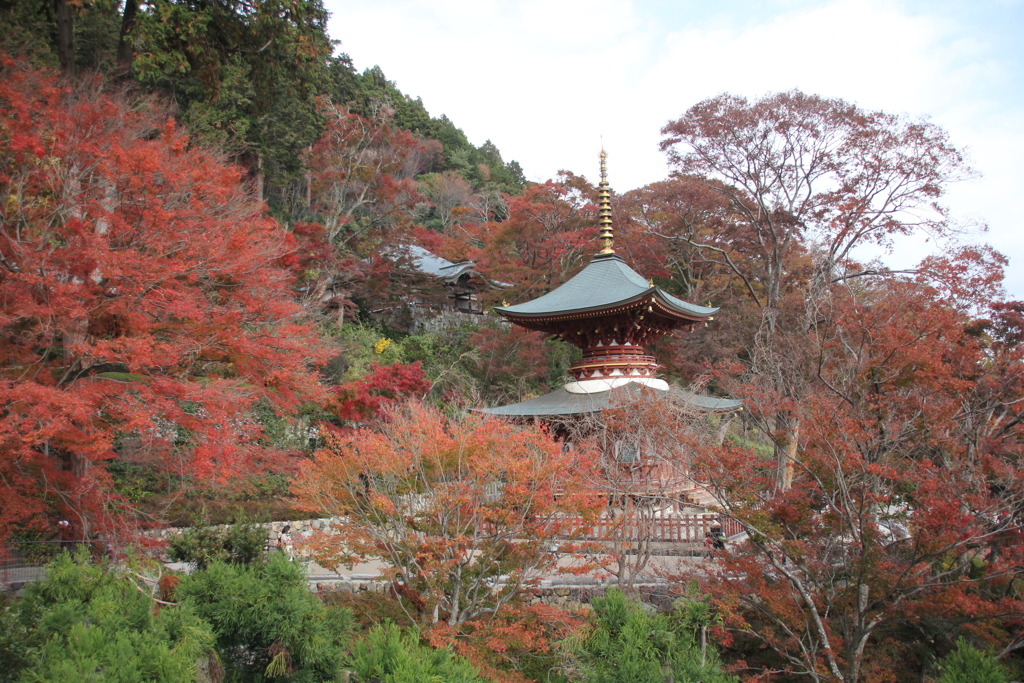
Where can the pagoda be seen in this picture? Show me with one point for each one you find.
(611, 313)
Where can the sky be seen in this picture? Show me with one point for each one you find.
(550, 81)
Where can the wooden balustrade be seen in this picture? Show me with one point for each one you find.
(687, 529)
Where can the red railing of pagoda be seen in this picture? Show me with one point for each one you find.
(608, 358)
(614, 353)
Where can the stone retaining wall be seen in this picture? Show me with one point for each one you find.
(301, 531)
(571, 595)
(577, 598)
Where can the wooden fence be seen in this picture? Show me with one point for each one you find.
(688, 529)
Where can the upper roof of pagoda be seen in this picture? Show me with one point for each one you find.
(605, 284)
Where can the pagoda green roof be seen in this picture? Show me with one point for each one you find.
(562, 402)
(606, 282)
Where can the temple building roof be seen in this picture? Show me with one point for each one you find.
(607, 282)
(611, 313)
(431, 264)
(563, 402)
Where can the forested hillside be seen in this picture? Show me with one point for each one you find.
(208, 313)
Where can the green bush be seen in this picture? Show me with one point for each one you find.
(360, 346)
(267, 623)
(967, 664)
(88, 622)
(387, 655)
(135, 482)
(628, 645)
(19, 640)
(241, 543)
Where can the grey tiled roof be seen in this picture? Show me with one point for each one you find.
(562, 402)
(432, 264)
(606, 281)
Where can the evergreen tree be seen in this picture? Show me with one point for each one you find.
(93, 623)
(967, 664)
(246, 76)
(630, 645)
(266, 621)
(389, 656)
(241, 542)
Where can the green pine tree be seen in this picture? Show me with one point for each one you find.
(630, 645)
(968, 664)
(266, 621)
(90, 622)
(390, 656)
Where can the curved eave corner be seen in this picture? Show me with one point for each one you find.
(683, 308)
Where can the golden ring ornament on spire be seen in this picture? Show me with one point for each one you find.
(604, 204)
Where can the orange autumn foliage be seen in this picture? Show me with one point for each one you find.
(464, 515)
(138, 297)
(905, 505)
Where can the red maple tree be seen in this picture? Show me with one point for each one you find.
(904, 514)
(139, 297)
(385, 386)
(541, 242)
(463, 514)
(361, 174)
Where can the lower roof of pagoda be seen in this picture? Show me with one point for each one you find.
(606, 285)
(562, 402)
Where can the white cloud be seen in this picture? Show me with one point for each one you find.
(546, 79)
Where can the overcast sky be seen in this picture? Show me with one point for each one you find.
(546, 80)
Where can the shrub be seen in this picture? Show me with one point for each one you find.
(200, 546)
(628, 645)
(90, 622)
(967, 664)
(266, 621)
(387, 655)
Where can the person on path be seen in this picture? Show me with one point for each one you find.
(285, 542)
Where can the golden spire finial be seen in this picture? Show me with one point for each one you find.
(604, 204)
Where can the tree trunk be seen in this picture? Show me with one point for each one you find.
(786, 441)
(65, 37)
(125, 48)
(309, 182)
(108, 204)
(259, 177)
(857, 655)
